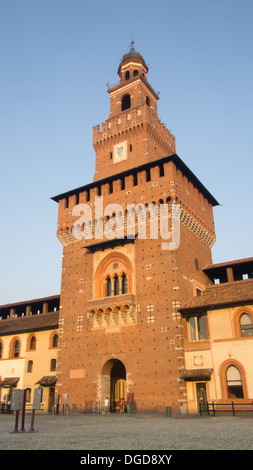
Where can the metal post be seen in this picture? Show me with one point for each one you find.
(16, 421)
(32, 421)
(233, 409)
(23, 413)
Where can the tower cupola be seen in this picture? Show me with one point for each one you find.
(132, 65)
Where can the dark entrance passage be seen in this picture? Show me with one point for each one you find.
(113, 383)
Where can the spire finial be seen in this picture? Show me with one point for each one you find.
(132, 49)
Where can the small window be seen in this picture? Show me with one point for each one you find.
(197, 328)
(234, 383)
(16, 347)
(127, 75)
(30, 366)
(55, 341)
(32, 344)
(136, 72)
(126, 102)
(1, 350)
(246, 325)
(53, 365)
(147, 100)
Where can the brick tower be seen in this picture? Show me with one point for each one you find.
(120, 329)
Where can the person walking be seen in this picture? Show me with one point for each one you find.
(121, 406)
(106, 406)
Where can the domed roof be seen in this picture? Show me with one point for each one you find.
(132, 55)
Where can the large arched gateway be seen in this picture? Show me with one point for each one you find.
(113, 383)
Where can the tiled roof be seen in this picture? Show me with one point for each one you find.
(42, 321)
(234, 293)
(32, 301)
(229, 263)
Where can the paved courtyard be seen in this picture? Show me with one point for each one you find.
(124, 432)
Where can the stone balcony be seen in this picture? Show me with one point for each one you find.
(112, 312)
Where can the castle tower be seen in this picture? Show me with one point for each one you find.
(120, 329)
(133, 134)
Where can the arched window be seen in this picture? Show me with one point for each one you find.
(55, 341)
(126, 102)
(16, 347)
(124, 284)
(53, 365)
(246, 325)
(30, 366)
(136, 72)
(234, 383)
(127, 75)
(116, 284)
(32, 343)
(108, 286)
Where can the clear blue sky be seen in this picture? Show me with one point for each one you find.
(57, 57)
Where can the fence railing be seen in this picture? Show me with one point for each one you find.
(232, 408)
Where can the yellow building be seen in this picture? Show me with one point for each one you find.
(28, 349)
(218, 337)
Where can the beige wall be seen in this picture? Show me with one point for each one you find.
(17, 367)
(225, 346)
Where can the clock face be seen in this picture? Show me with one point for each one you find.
(120, 152)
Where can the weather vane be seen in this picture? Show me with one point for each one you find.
(132, 49)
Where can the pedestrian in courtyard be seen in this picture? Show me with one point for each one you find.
(121, 406)
(106, 406)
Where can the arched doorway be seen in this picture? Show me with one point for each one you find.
(113, 383)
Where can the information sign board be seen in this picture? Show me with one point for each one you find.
(37, 398)
(17, 399)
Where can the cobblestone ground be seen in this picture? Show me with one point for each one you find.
(124, 432)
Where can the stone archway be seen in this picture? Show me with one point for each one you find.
(113, 383)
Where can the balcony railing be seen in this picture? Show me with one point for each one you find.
(113, 311)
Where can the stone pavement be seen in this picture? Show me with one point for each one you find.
(124, 432)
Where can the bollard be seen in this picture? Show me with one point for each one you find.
(168, 411)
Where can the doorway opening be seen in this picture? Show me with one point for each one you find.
(113, 383)
(201, 394)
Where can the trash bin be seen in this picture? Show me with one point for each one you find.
(168, 411)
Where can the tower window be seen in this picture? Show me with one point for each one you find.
(127, 76)
(126, 102)
(116, 285)
(108, 286)
(124, 284)
(147, 100)
(136, 72)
